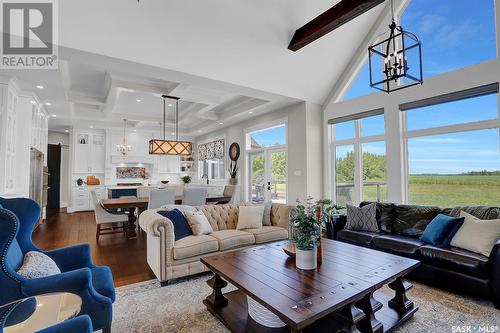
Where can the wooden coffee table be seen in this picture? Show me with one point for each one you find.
(341, 295)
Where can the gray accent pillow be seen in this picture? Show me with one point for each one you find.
(362, 218)
(266, 219)
(38, 265)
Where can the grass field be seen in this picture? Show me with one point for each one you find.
(454, 190)
(446, 190)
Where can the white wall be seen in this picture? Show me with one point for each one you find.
(55, 138)
(314, 158)
(470, 77)
(304, 147)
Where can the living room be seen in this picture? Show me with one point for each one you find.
(250, 166)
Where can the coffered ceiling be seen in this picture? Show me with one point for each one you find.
(97, 91)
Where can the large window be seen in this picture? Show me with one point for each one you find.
(453, 153)
(214, 169)
(358, 149)
(211, 159)
(454, 34)
(269, 137)
(267, 160)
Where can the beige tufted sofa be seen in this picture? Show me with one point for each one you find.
(171, 259)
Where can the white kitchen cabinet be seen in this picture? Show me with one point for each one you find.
(168, 164)
(89, 155)
(82, 198)
(98, 153)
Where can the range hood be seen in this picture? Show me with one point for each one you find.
(132, 159)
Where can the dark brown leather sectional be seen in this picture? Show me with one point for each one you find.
(452, 268)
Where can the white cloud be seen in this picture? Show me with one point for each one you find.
(449, 36)
(430, 23)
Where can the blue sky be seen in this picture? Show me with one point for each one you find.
(454, 34)
(270, 137)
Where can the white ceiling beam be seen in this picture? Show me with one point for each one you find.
(188, 93)
(148, 88)
(83, 99)
(111, 100)
(241, 108)
(206, 113)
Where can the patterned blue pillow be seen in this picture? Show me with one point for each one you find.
(181, 226)
(362, 218)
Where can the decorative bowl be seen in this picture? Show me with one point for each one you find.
(165, 181)
(290, 250)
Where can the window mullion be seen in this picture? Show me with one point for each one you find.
(333, 154)
(358, 167)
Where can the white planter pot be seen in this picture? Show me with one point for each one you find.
(306, 260)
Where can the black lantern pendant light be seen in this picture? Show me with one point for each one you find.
(389, 60)
(170, 147)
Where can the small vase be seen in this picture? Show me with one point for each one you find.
(306, 259)
(233, 181)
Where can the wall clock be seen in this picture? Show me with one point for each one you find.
(234, 151)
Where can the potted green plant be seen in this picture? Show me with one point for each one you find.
(307, 230)
(186, 179)
(325, 209)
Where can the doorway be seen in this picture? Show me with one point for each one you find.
(54, 166)
(267, 165)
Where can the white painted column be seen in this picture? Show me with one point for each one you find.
(395, 152)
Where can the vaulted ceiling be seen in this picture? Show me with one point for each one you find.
(227, 60)
(237, 41)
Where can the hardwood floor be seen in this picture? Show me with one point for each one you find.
(126, 258)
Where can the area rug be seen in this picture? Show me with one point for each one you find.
(148, 308)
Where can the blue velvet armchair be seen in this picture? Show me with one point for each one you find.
(81, 324)
(94, 284)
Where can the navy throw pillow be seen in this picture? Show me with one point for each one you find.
(181, 225)
(441, 230)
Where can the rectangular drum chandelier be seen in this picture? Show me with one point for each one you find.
(170, 147)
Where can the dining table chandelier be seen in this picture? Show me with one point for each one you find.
(170, 147)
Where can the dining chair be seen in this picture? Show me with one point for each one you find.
(143, 191)
(228, 194)
(161, 197)
(195, 196)
(103, 216)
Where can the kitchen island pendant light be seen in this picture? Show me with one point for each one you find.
(170, 147)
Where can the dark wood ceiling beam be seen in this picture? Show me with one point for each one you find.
(341, 13)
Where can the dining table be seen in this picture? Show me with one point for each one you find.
(132, 203)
